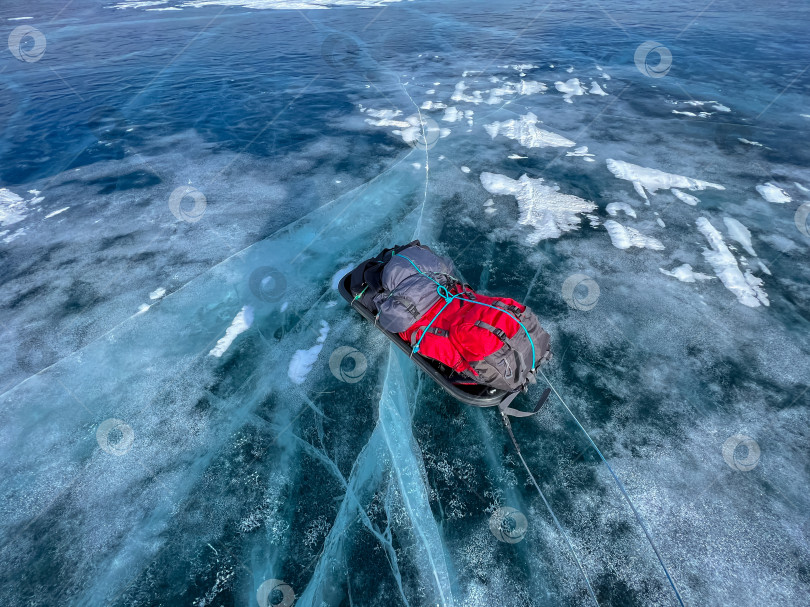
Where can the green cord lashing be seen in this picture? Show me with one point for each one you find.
(360, 294)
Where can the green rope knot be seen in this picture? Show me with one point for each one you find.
(444, 293)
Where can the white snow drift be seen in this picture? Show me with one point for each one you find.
(624, 237)
(526, 132)
(240, 324)
(542, 207)
(746, 287)
(651, 180)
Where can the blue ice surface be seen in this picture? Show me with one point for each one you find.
(219, 474)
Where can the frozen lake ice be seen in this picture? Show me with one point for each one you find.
(191, 415)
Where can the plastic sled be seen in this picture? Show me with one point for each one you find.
(456, 385)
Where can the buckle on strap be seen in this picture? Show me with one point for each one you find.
(499, 333)
(508, 307)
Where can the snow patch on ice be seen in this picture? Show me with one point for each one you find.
(302, 360)
(507, 89)
(433, 105)
(746, 287)
(569, 88)
(685, 273)
(530, 87)
(240, 324)
(624, 237)
(521, 67)
(614, 207)
(773, 193)
(157, 293)
(460, 95)
(763, 267)
(740, 233)
(15, 208)
(13, 236)
(451, 114)
(581, 152)
(652, 180)
(526, 132)
(542, 207)
(414, 129)
(53, 213)
(596, 89)
(684, 197)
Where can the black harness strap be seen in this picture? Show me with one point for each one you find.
(508, 307)
(408, 305)
(434, 330)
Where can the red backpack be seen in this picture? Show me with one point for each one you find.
(491, 343)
